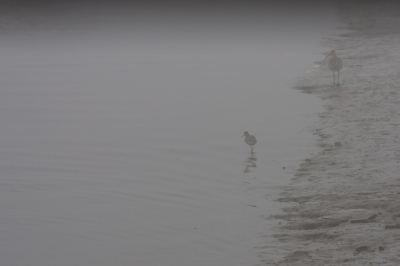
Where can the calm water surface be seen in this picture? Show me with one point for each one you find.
(120, 137)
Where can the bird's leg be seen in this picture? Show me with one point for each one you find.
(251, 149)
(333, 74)
(338, 74)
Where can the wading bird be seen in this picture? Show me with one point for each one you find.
(250, 140)
(335, 64)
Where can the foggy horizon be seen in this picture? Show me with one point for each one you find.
(121, 127)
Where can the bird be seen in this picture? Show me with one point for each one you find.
(250, 140)
(335, 64)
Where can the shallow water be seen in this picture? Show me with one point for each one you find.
(121, 131)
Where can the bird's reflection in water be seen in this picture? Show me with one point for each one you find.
(251, 162)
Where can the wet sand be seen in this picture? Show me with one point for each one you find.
(343, 203)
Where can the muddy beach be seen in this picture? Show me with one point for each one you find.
(344, 203)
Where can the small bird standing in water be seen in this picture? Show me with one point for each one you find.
(335, 64)
(250, 140)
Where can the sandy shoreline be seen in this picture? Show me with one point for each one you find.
(345, 201)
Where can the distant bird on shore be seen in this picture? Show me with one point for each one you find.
(335, 64)
(250, 140)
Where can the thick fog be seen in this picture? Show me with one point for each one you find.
(121, 125)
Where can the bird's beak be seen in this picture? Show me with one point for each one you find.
(330, 54)
(242, 136)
